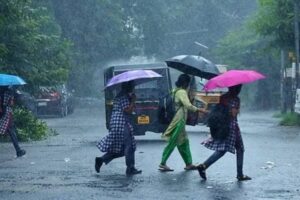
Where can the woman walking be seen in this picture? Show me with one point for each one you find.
(175, 134)
(120, 140)
(6, 121)
(233, 143)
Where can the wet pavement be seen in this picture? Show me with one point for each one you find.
(62, 167)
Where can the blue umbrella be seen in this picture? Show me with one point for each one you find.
(7, 80)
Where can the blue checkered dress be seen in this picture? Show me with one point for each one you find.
(234, 140)
(7, 117)
(114, 141)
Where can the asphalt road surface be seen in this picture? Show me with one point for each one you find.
(62, 166)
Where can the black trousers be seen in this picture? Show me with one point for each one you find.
(12, 132)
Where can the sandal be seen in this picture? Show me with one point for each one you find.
(164, 168)
(190, 167)
(201, 170)
(243, 178)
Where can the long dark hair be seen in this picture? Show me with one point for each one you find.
(235, 90)
(128, 87)
(183, 81)
(3, 89)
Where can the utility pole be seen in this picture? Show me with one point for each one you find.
(296, 21)
(295, 82)
(283, 91)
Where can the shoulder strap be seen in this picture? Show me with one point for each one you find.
(174, 93)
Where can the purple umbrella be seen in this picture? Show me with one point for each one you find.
(139, 76)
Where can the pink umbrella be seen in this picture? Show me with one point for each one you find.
(233, 77)
(139, 76)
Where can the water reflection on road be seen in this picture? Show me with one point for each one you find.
(62, 167)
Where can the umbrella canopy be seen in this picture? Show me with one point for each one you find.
(139, 76)
(7, 80)
(193, 65)
(232, 78)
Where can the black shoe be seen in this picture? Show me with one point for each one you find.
(243, 178)
(201, 170)
(132, 171)
(21, 153)
(98, 164)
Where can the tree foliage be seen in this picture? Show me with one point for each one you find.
(244, 49)
(30, 43)
(171, 27)
(102, 31)
(31, 46)
(257, 44)
(105, 31)
(276, 19)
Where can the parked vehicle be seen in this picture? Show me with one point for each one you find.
(148, 95)
(203, 99)
(27, 101)
(297, 103)
(54, 100)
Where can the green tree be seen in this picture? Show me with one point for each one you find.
(168, 28)
(31, 46)
(275, 19)
(244, 49)
(103, 31)
(257, 46)
(100, 32)
(30, 43)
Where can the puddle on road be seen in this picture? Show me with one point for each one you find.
(278, 194)
(110, 182)
(56, 179)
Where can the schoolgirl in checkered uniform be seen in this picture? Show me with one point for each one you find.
(233, 143)
(6, 120)
(114, 141)
(120, 140)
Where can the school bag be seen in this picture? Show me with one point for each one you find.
(218, 121)
(166, 108)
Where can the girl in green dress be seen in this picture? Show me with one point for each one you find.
(175, 134)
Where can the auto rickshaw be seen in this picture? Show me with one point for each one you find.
(147, 93)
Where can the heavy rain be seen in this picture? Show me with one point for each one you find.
(96, 96)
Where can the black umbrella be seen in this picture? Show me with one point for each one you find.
(194, 65)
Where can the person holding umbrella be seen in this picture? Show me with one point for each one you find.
(175, 134)
(6, 121)
(233, 143)
(120, 140)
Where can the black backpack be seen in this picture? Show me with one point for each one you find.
(166, 108)
(218, 121)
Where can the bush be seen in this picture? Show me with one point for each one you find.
(28, 126)
(290, 119)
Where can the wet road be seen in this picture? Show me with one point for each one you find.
(61, 167)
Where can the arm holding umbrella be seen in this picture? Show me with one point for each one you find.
(184, 99)
(127, 88)
(131, 106)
